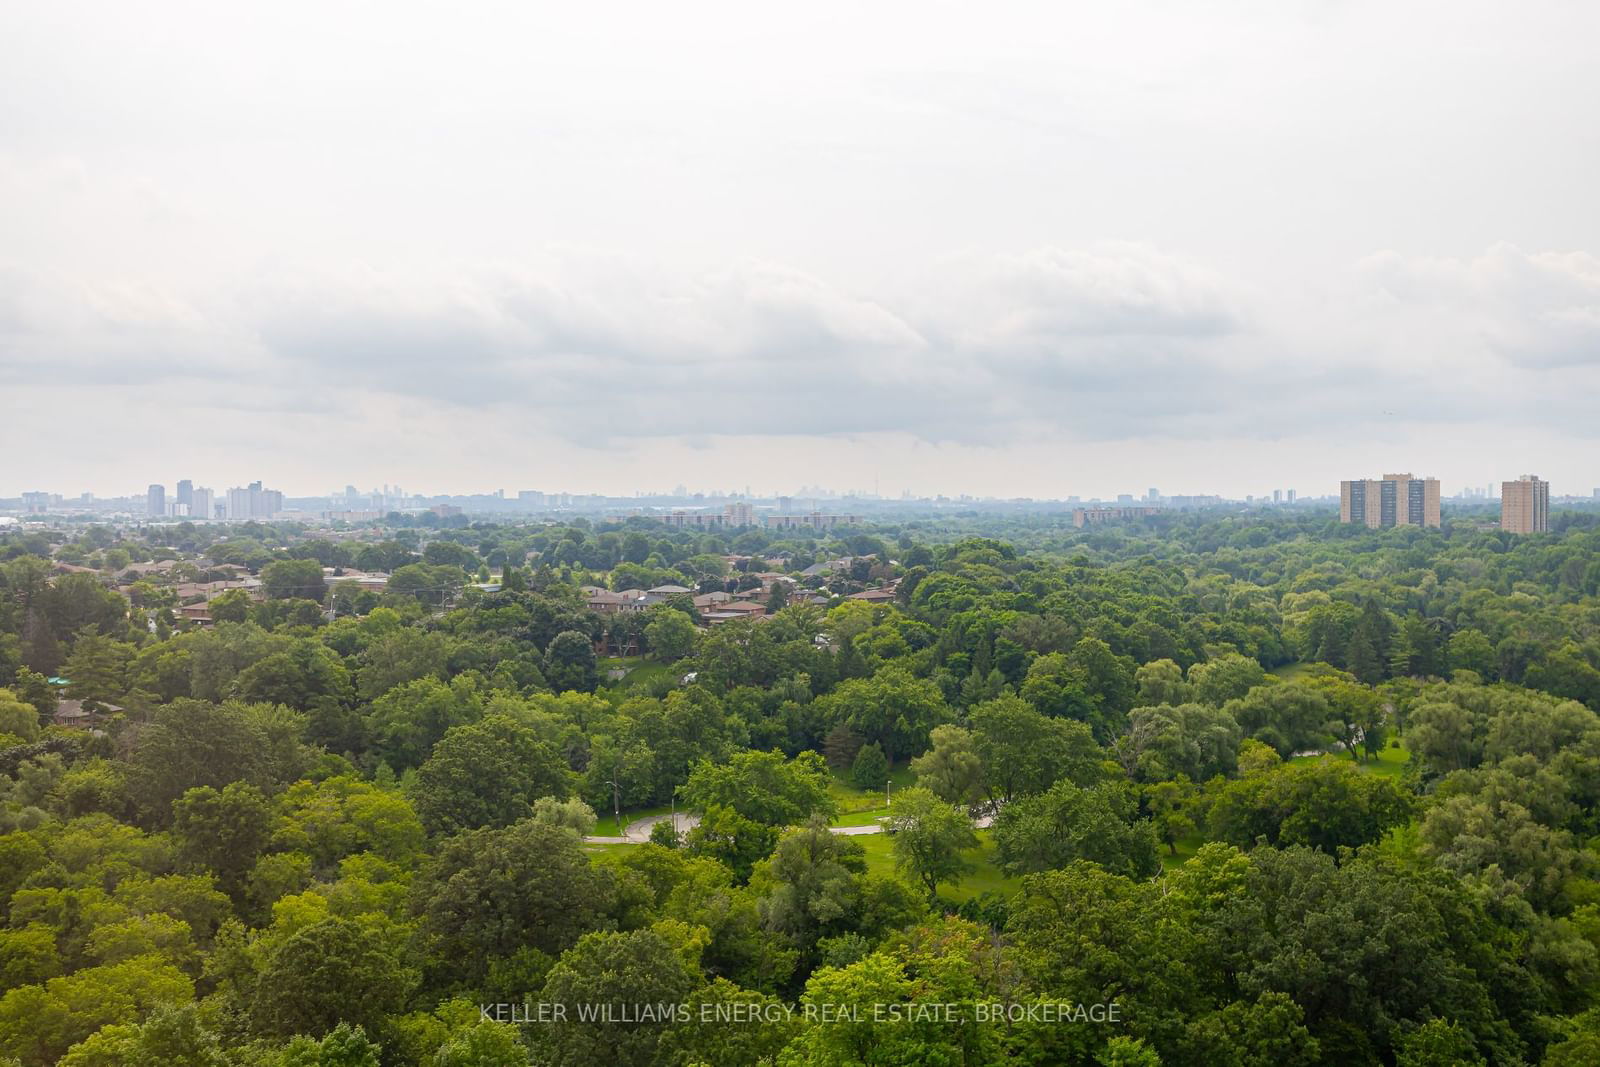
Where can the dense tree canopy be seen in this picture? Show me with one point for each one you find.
(1281, 790)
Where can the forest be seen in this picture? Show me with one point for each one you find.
(1222, 788)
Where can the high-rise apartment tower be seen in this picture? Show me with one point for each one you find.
(1525, 505)
(1393, 500)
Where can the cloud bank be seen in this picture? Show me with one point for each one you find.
(1090, 344)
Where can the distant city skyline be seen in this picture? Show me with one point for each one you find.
(246, 501)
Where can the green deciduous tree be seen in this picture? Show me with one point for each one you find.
(486, 773)
(614, 970)
(1327, 805)
(223, 832)
(1291, 717)
(1068, 823)
(930, 836)
(293, 579)
(38, 1023)
(670, 634)
(1023, 751)
(1161, 682)
(1196, 740)
(333, 971)
(17, 719)
(766, 787)
(1226, 678)
(488, 893)
(892, 708)
(571, 813)
(570, 664)
(192, 743)
(951, 768)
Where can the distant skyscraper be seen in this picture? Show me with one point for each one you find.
(200, 503)
(155, 501)
(1393, 500)
(186, 493)
(254, 502)
(1277, 496)
(1291, 496)
(1525, 505)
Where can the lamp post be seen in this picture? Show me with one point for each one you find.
(616, 805)
(888, 801)
(675, 811)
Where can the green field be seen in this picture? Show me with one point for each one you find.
(861, 807)
(1290, 671)
(608, 826)
(1188, 845)
(642, 671)
(984, 877)
(1391, 761)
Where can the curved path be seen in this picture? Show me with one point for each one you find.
(637, 832)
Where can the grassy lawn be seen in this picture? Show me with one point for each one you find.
(1187, 847)
(1391, 761)
(609, 827)
(862, 807)
(1290, 671)
(642, 671)
(985, 876)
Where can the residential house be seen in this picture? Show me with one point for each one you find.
(74, 714)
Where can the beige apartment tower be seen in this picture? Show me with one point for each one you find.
(1525, 505)
(1393, 500)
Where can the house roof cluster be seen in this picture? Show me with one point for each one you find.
(609, 603)
(74, 713)
(829, 566)
(210, 590)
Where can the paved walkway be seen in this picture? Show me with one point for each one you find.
(637, 832)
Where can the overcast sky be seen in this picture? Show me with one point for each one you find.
(999, 249)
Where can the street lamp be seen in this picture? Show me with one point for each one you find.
(616, 805)
(675, 811)
(888, 802)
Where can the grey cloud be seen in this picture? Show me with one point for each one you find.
(983, 350)
(1540, 310)
(1101, 343)
(108, 332)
